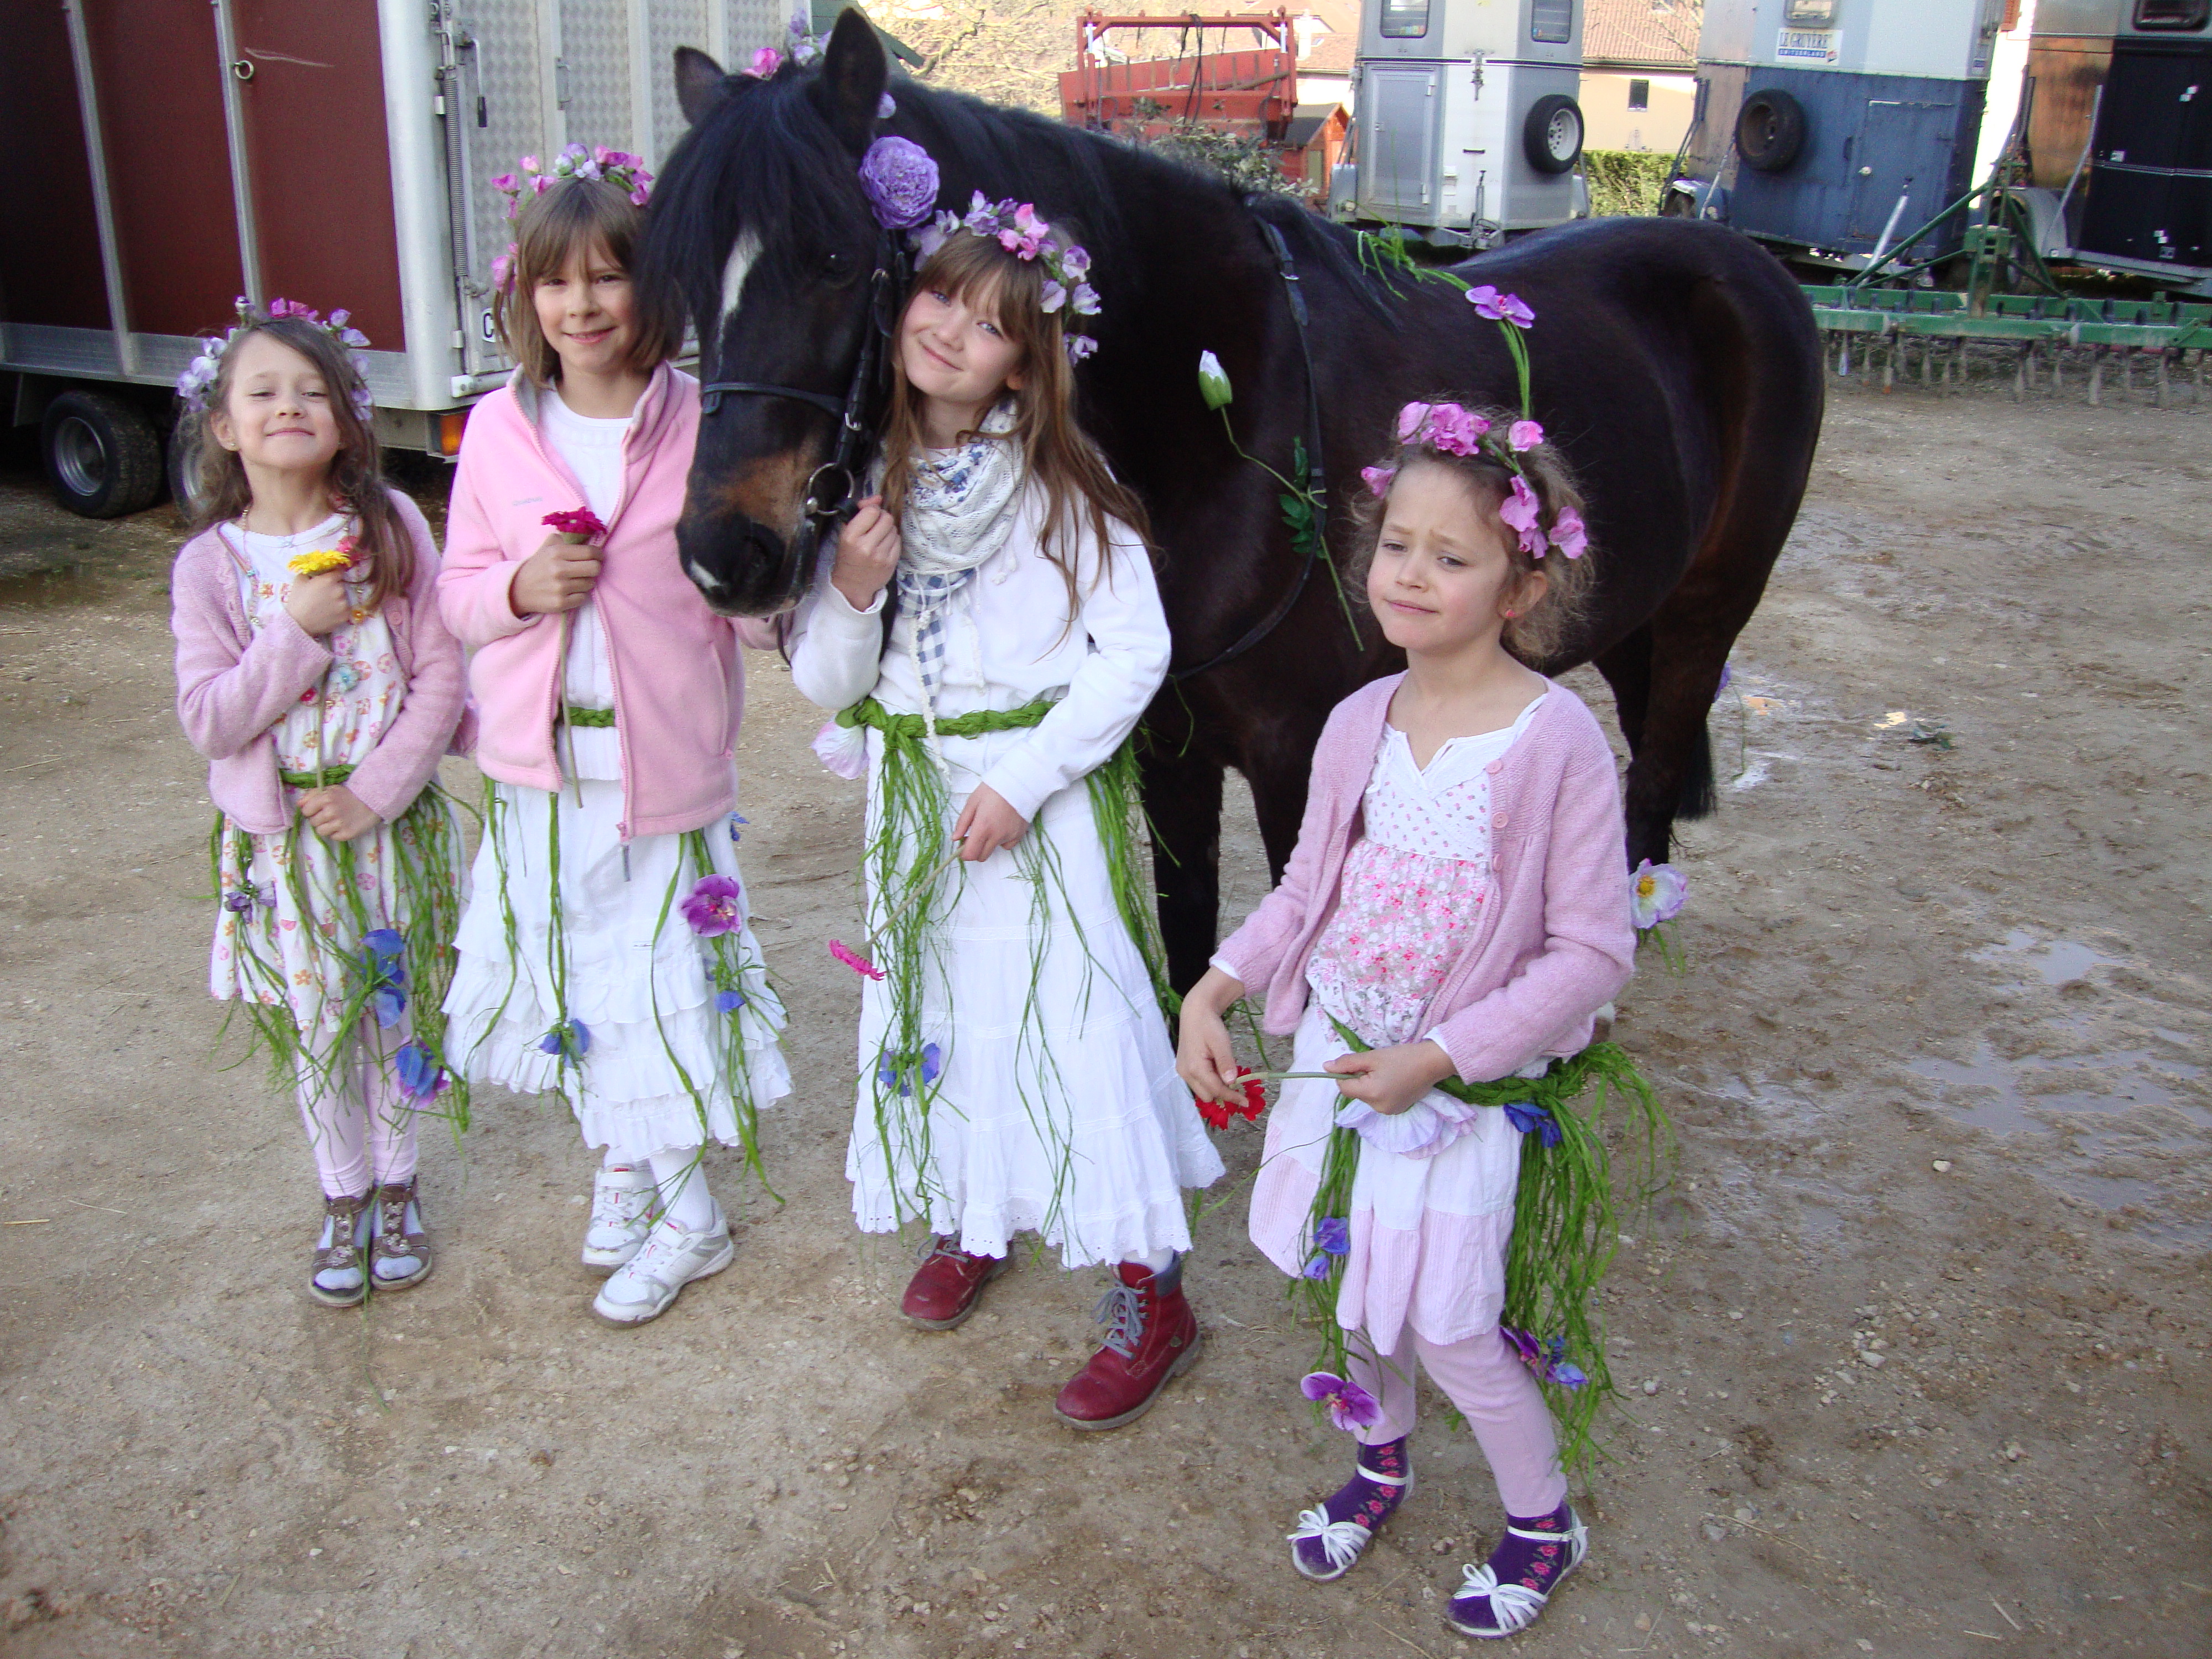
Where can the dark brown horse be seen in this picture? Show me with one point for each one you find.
(1675, 363)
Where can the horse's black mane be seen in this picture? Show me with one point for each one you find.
(767, 157)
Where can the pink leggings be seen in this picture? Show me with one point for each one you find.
(1493, 1390)
(360, 1122)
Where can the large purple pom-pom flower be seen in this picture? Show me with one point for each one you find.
(900, 181)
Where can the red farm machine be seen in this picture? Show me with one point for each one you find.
(1250, 95)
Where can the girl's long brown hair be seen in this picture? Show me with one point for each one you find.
(355, 480)
(1078, 483)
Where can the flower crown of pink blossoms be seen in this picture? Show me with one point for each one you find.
(599, 164)
(1015, 227)
(200, 374)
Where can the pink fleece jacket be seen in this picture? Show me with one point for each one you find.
(679, 682)
(1557, 946)
(234, 685)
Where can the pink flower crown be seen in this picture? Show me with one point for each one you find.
(614, 167)
(1453, 429)
(200, 374)
(1015, 227)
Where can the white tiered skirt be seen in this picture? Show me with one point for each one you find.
(603, 931)
(1057, 1110)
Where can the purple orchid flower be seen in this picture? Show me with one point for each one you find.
(1377, 479)
(1531, 1120)
(715, 905)
(1524, 435)
(1522, 513)
(1349, 1407)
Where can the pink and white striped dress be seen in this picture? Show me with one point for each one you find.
(1432, 1205)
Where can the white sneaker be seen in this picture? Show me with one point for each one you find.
(624, 1209)
(647, 1285)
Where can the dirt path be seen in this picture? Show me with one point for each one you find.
(1917, 1357)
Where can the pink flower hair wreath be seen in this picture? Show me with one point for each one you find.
(1451, 429)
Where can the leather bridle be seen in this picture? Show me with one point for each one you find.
(830, 488)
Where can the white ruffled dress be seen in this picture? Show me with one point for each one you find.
(1431, 1209)
(591, 926)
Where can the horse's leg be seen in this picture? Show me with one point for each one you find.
(1627, 670)
(1182, 798)
(1670, 775)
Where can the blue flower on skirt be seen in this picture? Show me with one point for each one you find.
(728, 1002)
(896, 1071)
(387, 997)
(734, 821)
(238, 903)
(421, 1076)
(1332, 1234)
(571, 1041)
(1533, 1120)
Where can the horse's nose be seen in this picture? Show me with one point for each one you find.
(736, 563)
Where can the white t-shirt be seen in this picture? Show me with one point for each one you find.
(593, 447)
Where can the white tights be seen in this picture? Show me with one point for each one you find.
(681, 1175)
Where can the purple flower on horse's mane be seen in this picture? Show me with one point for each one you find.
(1568, 533)
(1521, 511)
(1377, 479)
(1349, 1407)
(1524, 435)
(900, 181)
(886, 106)
(1500, 307)
(714, 905)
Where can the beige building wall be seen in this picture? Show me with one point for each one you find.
(1609, 124)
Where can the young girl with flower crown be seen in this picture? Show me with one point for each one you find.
(990, 630)
(605, 952)
(315, 673)
(1455, 912)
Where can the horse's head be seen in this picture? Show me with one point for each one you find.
(759, 230)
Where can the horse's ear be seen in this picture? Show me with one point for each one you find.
(854, 76)
(698, 82)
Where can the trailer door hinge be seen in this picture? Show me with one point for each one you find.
(561, 81)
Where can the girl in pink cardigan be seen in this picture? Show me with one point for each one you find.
(1457, 909)
(315, 674)
(605, 954)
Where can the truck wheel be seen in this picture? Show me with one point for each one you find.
(1770, 131)
(1552, 135)
(102, 454)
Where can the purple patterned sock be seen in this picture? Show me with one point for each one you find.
(1366, 1503)
(1522, 1560)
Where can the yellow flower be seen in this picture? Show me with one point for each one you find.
(314, 564)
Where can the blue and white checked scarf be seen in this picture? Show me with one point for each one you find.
(960, 509)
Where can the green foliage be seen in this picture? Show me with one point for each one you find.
(1625, 183)
(1244, 162)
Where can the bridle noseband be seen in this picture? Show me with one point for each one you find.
(856, 433)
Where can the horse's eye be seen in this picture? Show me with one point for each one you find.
(837, 264)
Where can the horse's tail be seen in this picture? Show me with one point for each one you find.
(1699, 799)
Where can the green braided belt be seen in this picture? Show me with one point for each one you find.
(911, 727)
(328, 775)
(596, 717)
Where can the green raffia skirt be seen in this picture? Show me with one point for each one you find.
(1015, 1072)
(581, 975)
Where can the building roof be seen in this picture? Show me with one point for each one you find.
(1651, 35)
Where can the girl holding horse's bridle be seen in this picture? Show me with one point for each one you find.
(990, 630)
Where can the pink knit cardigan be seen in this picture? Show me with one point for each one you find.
(234, 685)
(1555, 947)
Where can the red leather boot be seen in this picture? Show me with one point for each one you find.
(1152, 1337)
(945, 1288)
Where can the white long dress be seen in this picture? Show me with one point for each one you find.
(1056, 1108)
(574, 927)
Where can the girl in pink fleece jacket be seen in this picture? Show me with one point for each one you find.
(1457, 908)
(606, 953)
(315, 673)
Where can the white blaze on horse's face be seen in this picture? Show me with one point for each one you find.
(742, 258)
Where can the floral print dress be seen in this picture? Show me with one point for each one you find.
(295, 906)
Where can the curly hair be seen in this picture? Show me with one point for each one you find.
(1539, 633)
(355, 480)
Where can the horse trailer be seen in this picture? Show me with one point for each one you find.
(1833, 126)
(172, 154)
(1466, 125)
